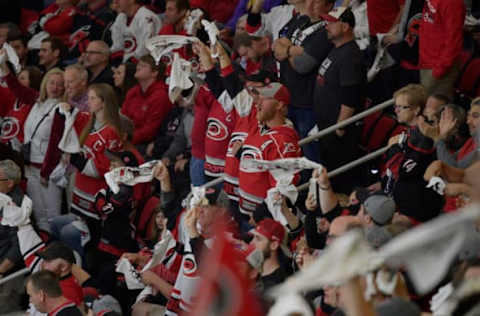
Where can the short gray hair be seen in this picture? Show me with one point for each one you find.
(82, 71)
(11, 170)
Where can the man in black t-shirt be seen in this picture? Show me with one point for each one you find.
(45, 293)
(339, 93)
(300, 49)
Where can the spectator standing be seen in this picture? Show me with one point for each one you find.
(18, 99)
(340, 92)
(19, 44)
(132, 27)
(441, 41)
(276, 20)
(384, 15)
(91, 22)
(147, 104)
(304, 46)
(99, 133)
(45, 194)
(56, 20)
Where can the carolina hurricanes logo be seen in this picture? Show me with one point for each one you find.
(79, 35)
(10, 128)
(413, 29)
(235, 138)
(130, 44)
(189, 267)
(248, 153)
(409, 165)
(216, 130)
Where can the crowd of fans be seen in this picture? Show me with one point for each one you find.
(115, 113)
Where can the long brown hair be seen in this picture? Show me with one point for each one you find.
(110, 109)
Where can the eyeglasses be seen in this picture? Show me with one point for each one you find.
(4, 179)
(94, 52)
(402, 107)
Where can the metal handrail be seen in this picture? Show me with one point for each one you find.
(346, 122)
(327, 131)
(14, 275)
(304, 141)
(350, 165)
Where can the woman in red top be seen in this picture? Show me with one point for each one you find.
(99, 133)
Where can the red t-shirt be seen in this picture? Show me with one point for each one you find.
(382, 14)
(71, 289)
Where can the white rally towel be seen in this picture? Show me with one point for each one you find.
(290, 304)
(437, 184)
(132, 276)
(212, 31)
(382, 60)
(161, 45)
(427, 251)
(274, 199)
(192, 22)
(11, 56)
(14, 215)
(130, 175)
(283, 170)
(69, 142)
(179, 77)
(159, 252)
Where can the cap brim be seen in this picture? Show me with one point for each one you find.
(329, 18)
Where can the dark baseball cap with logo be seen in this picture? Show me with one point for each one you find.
(340, 14)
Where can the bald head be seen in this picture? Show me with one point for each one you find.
(96, 55)
(342, 224)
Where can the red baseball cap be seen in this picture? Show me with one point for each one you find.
(276, 91)
(271, 229)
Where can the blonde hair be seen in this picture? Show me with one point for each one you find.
(43, 86)
(416, 95)
(112, 117)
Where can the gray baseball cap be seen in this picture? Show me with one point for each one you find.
(380, 208)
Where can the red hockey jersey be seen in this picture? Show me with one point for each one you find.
(220, 125)
(16, 103)
(91, 179)
(263, 143)
(240, 132)
(59, 23)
